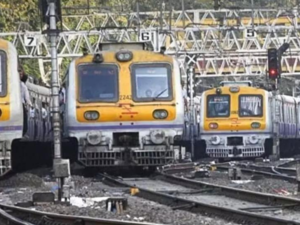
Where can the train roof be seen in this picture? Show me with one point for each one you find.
(245, 83)
(121, 46)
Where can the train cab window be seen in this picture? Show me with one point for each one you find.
(3, 73)
(151, 82)
(218, 106)
(250, 106)
(98, 83)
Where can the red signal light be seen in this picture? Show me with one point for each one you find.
(273, 73)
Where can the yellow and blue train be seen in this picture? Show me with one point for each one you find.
(124, 106)
(15, 151)
(11, 110)
(237, 121)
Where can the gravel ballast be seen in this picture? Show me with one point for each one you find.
(21, 190)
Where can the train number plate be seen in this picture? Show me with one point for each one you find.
(125, 97)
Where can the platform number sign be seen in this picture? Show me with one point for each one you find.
(146, 36)
(30, 40)
(250, 33)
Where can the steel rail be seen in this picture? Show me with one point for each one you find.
(238, 216)
(282, 171)
(178, 168)
(251, 196)
(6, 218)
(36, 217)
(260, 172)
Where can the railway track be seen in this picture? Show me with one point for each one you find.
(191, 199)
(281, 171)
(21, 216)
(286, 174)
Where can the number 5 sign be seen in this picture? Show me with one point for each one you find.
(30, 40)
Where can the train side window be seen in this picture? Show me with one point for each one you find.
(218, 106)
(3, 73)
(250, 105)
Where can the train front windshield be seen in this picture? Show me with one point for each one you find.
(98, 83)
(152, 82)
(250, 106)
(218, 106)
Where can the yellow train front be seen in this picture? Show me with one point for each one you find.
(235, 121)
(124, 106)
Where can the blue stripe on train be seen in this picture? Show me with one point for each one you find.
(11, 128)
(123, 127)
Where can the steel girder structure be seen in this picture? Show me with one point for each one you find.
(220, 39)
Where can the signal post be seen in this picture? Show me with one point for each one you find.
(50, 13)
(274, 74)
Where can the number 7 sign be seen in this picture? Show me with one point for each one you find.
(30, 40)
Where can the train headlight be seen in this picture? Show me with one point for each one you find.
(157, 137)
(160, 114)
(218, 91)
(98, 58)
(253, 139)
(255, 125)
(215, 140)
(213, 126)
(91, 115)
(93, 137)
(124, 56)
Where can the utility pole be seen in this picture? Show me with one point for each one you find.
(191, 73)
(138, 17)
(61, 167)
(183, 13)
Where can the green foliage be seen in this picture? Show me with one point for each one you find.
(17, 13)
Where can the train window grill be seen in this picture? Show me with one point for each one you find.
(250, 106)
(3, 73)
(152, 82)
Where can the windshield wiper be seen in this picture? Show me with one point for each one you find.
(155, 98)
